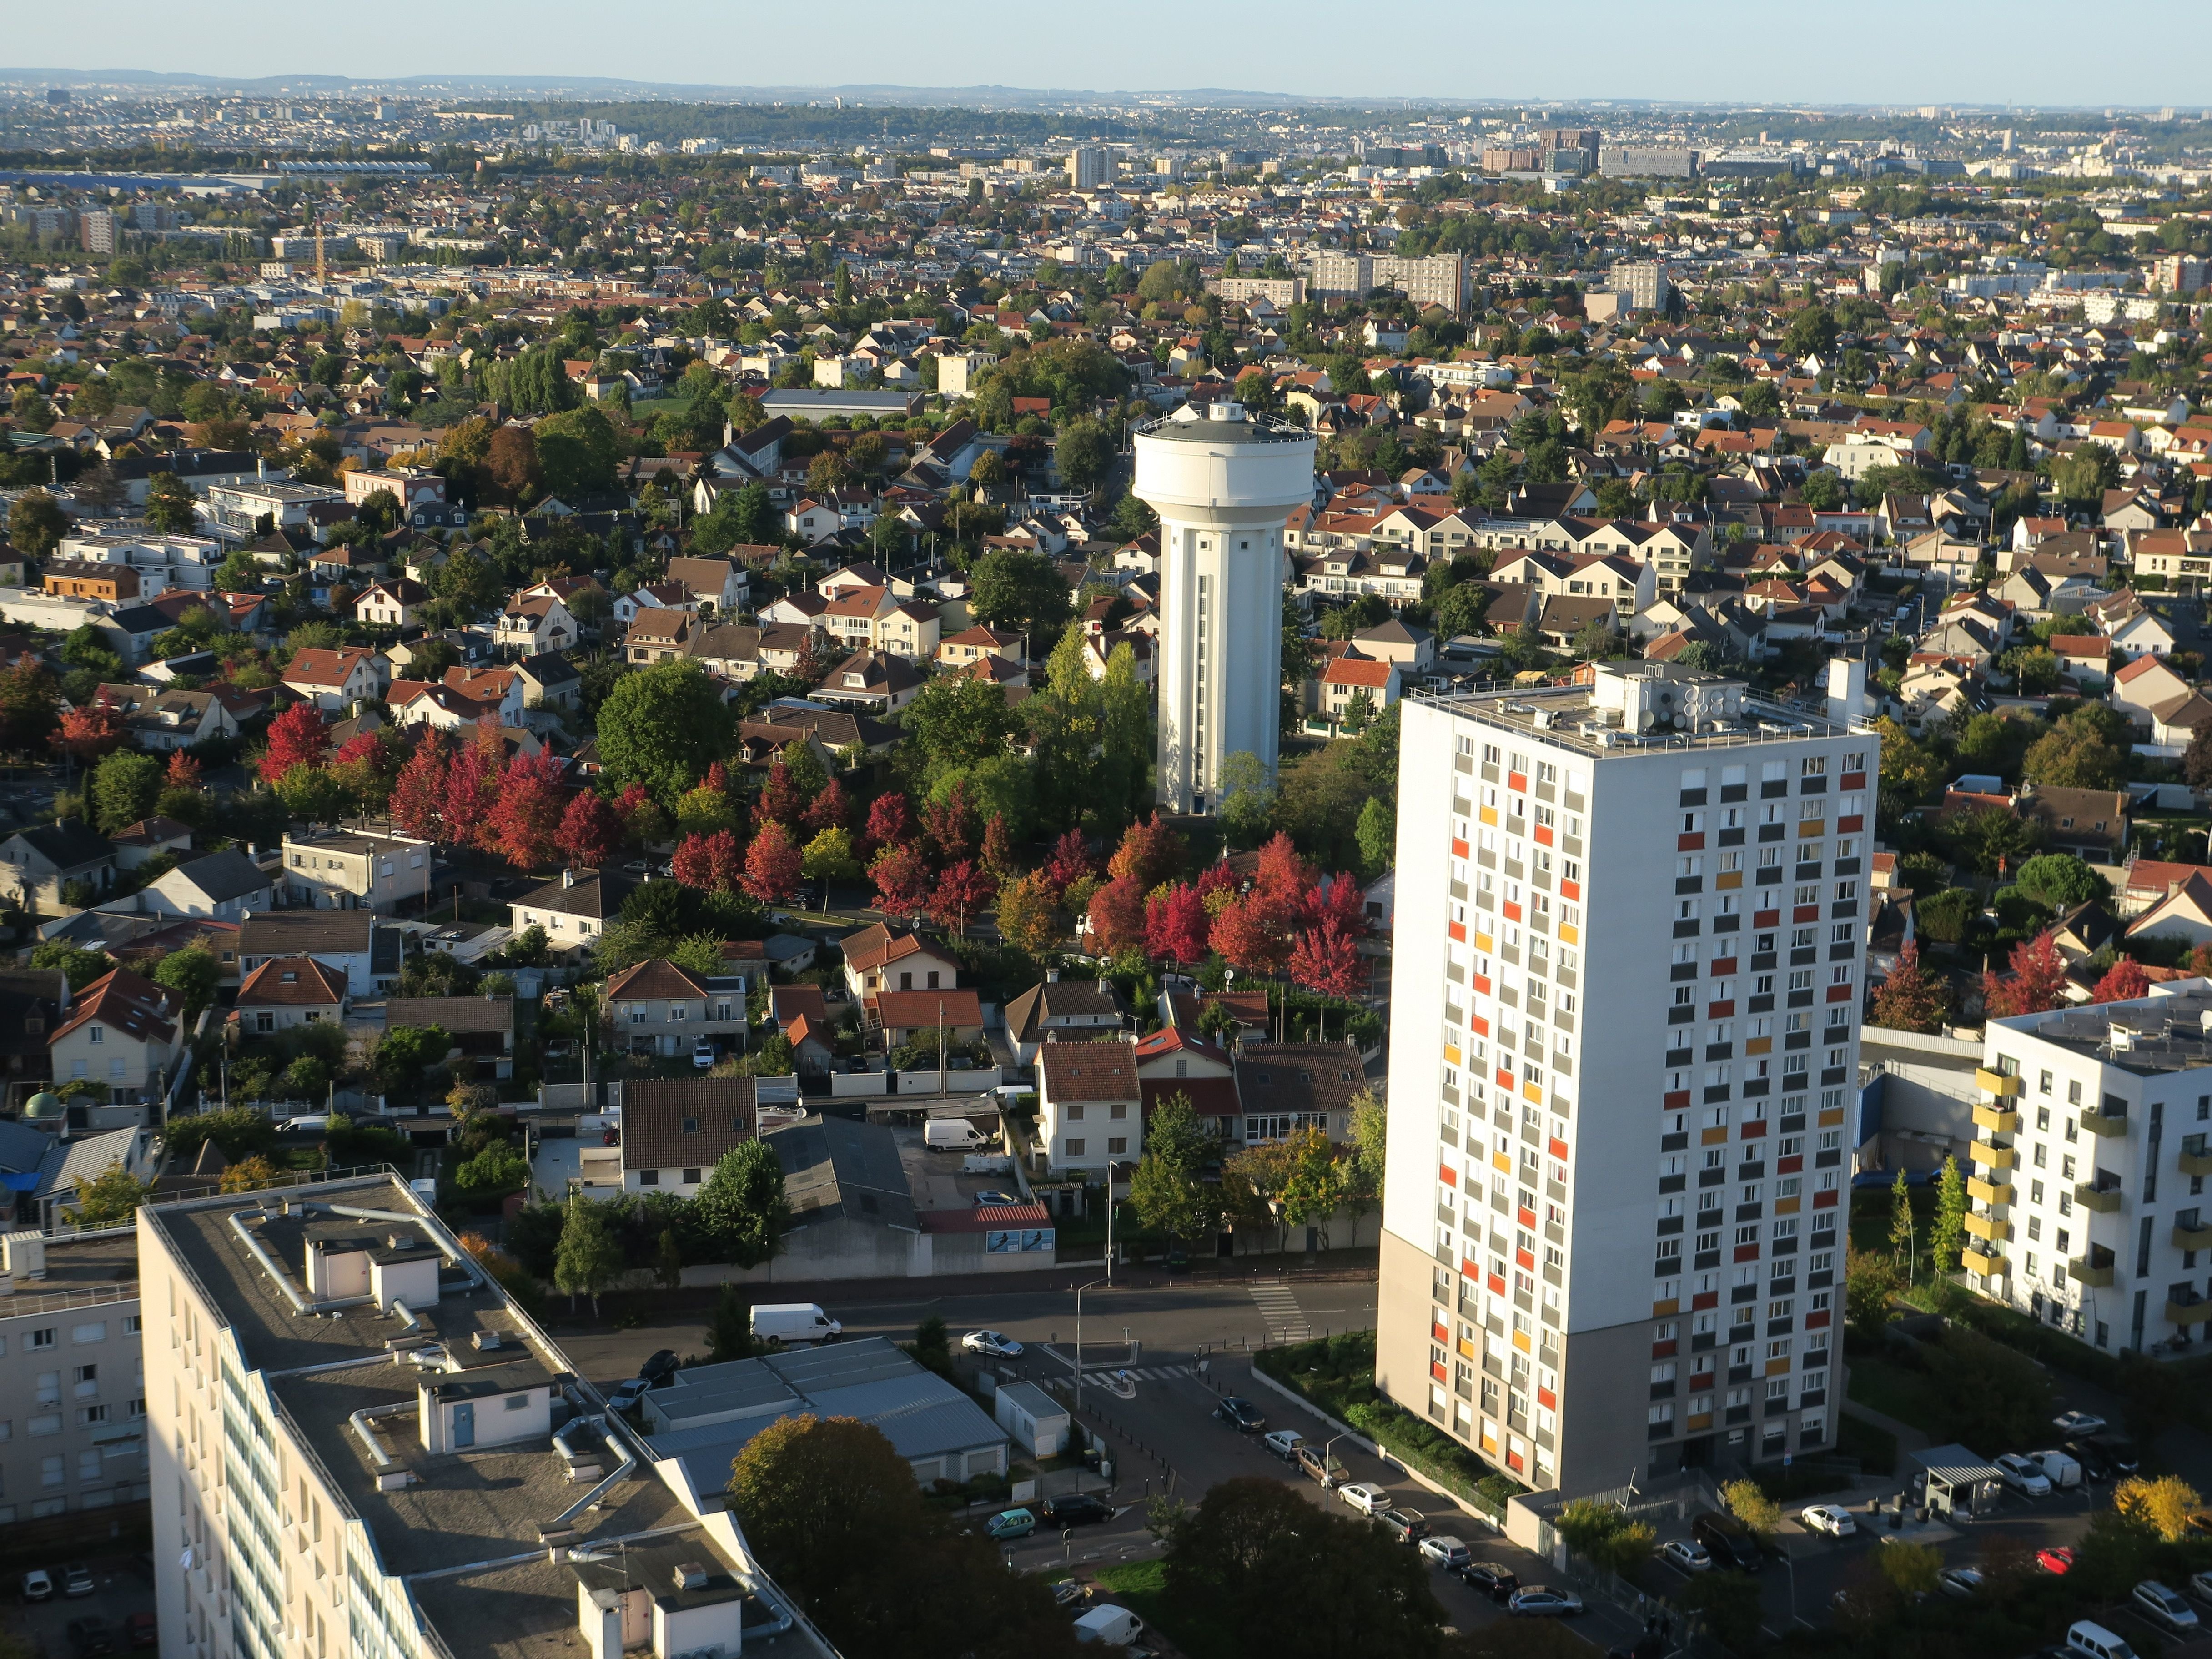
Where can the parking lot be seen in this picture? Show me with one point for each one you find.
(122, 1585)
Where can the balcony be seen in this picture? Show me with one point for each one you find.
(1995, 1082)
(1995, 1194)
(2094, 1269)
(2108, 1125)
(2190, 1233)
(1988, 1227)
(1994, 1158)
(2103, 1195)
(2196, 1158)
(1996, 1120)
(1990, 1262)
(2192, 1309)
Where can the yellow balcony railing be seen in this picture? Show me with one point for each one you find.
(1988, 1227)
(2192, 1238)
(1986, 1263)
(2105, 1201)
(1996, 1120)
(1995, 1194)
(1995, 1082)
(1994, 1158)
(2108, 1125)
(2091, 1270)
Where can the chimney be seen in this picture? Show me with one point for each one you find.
(568, 877)
(1052, 975)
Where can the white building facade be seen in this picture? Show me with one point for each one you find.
(1606, 1257)
(1223, 485)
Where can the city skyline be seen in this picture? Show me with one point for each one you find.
(1971, 54)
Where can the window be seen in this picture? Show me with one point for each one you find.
(1116, 1145)
(691, 1177)
(1074, 1148)
(86, 1415)
(649, 1177)
(43, 1339)
(52, 1471)
(48, 1424)
(50, 1388)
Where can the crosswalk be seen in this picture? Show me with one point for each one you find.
(1136, 1373)
(1286, 1320)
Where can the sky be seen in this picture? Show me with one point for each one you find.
(2043, 52)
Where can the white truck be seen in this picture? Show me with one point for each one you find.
(2060, 1470)
(792, 1323)
(1117, 1627)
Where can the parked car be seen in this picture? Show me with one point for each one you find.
(2166, 1608)
(2125, 1459)
(1729, 1540)
(2022, 1476)
(1961, 1582)
(1492, 1580)
(91, 1637)
(2063, 1472)
(140, 1630)
(1070, 1593)
(657, 1370)
(2058, 1558)
(1365, 1496)
(2200, 1586)
(1404, 1526)
(702, 1052)
(1241, 1415)
(1830, 1518)
(1544, 1602)
(627, 1396)
(1078, 1509)
(1009, 1524)
(1450, 1554)
(77, 1579)
(2078, 1422)
(1284, 1443)
(2096, 1462)
(994, 1343)
(1686, 1556)
(1315, 1466)
(37, 1585)
(994, 1199)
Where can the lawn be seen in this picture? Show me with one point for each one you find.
(1141, 1587)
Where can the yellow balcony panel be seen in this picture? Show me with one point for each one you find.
(1999, 1083)
(2196, 1312)
(2105, 1124)
(1812, 829)
(1985, 1263)
(2192, 1238)
(1995, 1158)
(1988, 1227)
(2105, 1201)
(2197, 1163)
(1778, 1367)
(1996, 1120)
(2082, 1271)
(1995, 1194)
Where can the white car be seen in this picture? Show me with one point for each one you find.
(1829, 1518)
(1365, 1496)
(702, 1054)
(1284, 1443)
(2200, 1586)
(1448, 1552)
(2164, 1607)
(994, 1343)
(2023, 1476)
(1686, 1556)
(1960, 1584)
(2078, 1422)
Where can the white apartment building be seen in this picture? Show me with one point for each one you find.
(1223, 484)
(72, 1384)
(1622, 1256)
(360, 1446)
(2086, 1197)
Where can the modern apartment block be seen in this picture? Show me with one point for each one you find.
(72, 1391)
(1626, 996)
(2092, 1142)
(1441, 279)
(360, 1446)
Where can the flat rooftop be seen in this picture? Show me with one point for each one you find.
(1192, 425)
(83, 1270)
(1623, 714)
(2157, 1035)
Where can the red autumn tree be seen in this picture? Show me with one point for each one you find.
(714, 863)
(998, 844)
(1325, 957)
(779, 801)
(951, 823)
(902, 877)
(363, 768)
(591, 830)
(1216, 877)
(2036, 985)
(1177, 926)
(1253, 934)
(2124, 982)
(1911, 999)
(418, 796)
(1343, 901)
(832, 809)
(1150, 851)
(1069, 861)
(643, 820)
(1117, 915)
(890, 822)
(523, 826)
(964, 888)
(772, 864)
(1283, 876)
(717, 777)
(90, 732)
(473, 788)
(297, 738)
(183, 772)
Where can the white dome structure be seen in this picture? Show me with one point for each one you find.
(1224, 483)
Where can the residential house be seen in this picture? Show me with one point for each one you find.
(656, 1008)
(136, 844)
(1173, 1062)
(659, 635)
(37, 864)
(800, 1013)
(872, 681)
(1284, 1087)
(350, 941)
(286, 992)
(528, 626)
(675, 1130)
(883, 959)
(482, 1029)
(903, 1017)
(721, 583)
(392, 603)
(550, 687)
(334, 679)
(1090, 1105)
(120, 1032)
(1347, 677)
(224, 886)
(2090, 823)
(356, 869)
(1056, 1009)
(574, 910)
(2183, 913)
(2086, 656)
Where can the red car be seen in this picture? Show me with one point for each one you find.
(2059, 1559)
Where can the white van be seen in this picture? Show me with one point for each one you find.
(953, 1135)
(793, 1321)
(2093, 1641)
(2060, 1470)
(1114, 1627)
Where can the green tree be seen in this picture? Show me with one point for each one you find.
(1946, 1233)
(125, 787)
(114, 1195)
(405, 1055)
(1378, 835)
(587, 1258)
(1901, 1225)
(740, 1210)
(730, 1329)
(1020, 592)
(1990, 1394)
(169, 505)
(668, 1261)
(1084, 451)
(1747, 1501)
(1911, 999)
(2061, 880)
(1370, 1124)
(1315, 1184)
(662, 727)
(1871, 1283)
(193, 974)
(36, 524)
(2076, 755)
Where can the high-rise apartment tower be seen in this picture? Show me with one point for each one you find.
(1224, 483)
(1625, 994)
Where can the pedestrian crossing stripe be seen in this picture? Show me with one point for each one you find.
(1145, 1374)
(1286, 1320)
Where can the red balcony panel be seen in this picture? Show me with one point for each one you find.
(1851, 825)
(1479, 1025)
(1720, 1010)
(1666, 1350)
(1437, 1370)
(1497, 1283)
(1790, 1165)
(1746, 1253)
(1839, 994)
(1524, 1215)
(1753, 1129)
(1823, 1201)
(1676, 1099)
(1524, 1259)
(1815, 1321)
(1766, 918)
(1440, 1334)
(1723, 965)
(1705, 1299)
(1449, 1176)
(1547, 1399)
(1518, 781)
(1806, 913)
(1559, 1148)
(1572, 890)
(1459, 847)
(1506, 1080)
(1457, 930)
(1512, 911)
(1690, 843)
(1544, 835)
(1482, 984)
(1852, 781)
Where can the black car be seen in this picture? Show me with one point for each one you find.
(91, 1637)
(1729, 1541)
(1241, 1414)
(1077, 1509)
(1404, 1526)
(2096, 1462)
(659, 1369)
(1492, 1580)
(2121, 1454)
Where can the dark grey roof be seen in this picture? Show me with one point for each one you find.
(67, 845)
(853, 1169)
(141, 619)
(1064, 998)
(597, 894)
(308, 933)
(226, 875)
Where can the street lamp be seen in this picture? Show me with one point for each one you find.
(1111, 1165)
(1080, 1289)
